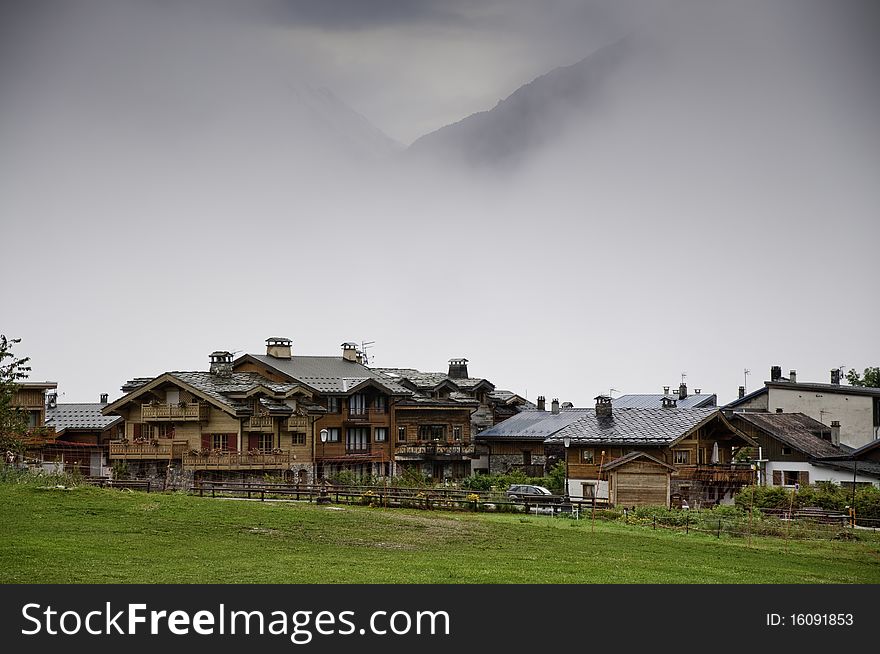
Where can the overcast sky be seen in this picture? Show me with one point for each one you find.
(181, 177)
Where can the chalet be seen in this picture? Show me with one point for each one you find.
(182, 426)
(694, 448)
(683, 399)
(518, 442)
(857, 409)
(31, 398)
(795, 449)
(77, 437)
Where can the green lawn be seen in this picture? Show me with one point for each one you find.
(94, 535)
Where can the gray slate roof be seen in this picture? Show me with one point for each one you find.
(634, 426)
(531, 424)
(217, 387)
(330, 374)
(79, 416)
(796, 430)
(430, 380)
(653, 401)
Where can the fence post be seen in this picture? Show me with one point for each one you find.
(655, 522)
(719, 528)
(148, 485)
(687, 523)
(262, 494)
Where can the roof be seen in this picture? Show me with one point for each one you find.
(635, 426)
(79, 416)
(844, 389)
(796, 430)
(632, 456)
(532, 424)
(328, 374)
(654, 400)
(431, 380)
(46, 385)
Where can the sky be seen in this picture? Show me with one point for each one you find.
(182, 177)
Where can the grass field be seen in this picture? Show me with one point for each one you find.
(108, 536)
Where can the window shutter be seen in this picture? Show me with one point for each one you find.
(804, 478)
(777, 477)
(253, 441)
(137, 430)
(206, 441)
(231, 442)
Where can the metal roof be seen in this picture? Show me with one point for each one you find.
(532, 424)
(79, 416)
(796, 430)
(654, 401)
(329, 374)
(634, 426)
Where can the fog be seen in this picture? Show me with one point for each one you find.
(177, 178)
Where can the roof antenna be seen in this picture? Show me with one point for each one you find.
(746, 373)
(364, 346)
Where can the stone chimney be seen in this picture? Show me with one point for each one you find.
(51, 400)
(554, 405)
(278, 347)
(668, 402)
(682, 391)
(603, 406)
(775, 373)
(458, 368)
(542, 403)
(104, 397)
(221, 364)
(835, 376)
(666, 390)
(742, 392)
(349, 352)
(835, 433)
(792, 376)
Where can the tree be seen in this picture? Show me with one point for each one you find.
(870, 378)
(13, 421)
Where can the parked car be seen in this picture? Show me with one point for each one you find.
(531, 493)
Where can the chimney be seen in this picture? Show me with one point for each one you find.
(603, 406)
(666, 390)
(778, 410)
(458, 368)
(835, 433)
(51, 400)
(542, 406)
(775, 373)
(278, 347)
(668, 402)
(792, 376)
(554, 405)
(697, 391)
(682, 391)
(349, 352)
(221, 364)
(567, 405)
(742, 392)
(104, 397)
(835, 376)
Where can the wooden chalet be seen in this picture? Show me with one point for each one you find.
(699, 444)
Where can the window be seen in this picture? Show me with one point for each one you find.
(681, 457)
(381, 434)
(786, 450)
(401, 434)
(165, 430)
(527, 458)
(589, 490)
(381, 404)
(333, 434)
(357, 439)
(220, 441)
(791, 477)
(333, 405)
(357, 404)
(588, 456)
(432, 432)
(298, 438)
(265, 442)
(142, 430)
(456, 433)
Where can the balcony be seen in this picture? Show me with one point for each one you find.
(297, 423)
(163, 448)
(434, 451)
(238, 461)
(726, 474)
(365, 415)
(177, 412)
(258, 423)
(353, 452)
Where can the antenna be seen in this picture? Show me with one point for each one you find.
(611, 391)
(822, 414)
(746, 373)
(683, 375)
(364, 346)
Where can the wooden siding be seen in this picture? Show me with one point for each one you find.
(640, 483)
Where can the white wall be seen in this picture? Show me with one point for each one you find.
(855, 412)
(576, 492)
(817, 473)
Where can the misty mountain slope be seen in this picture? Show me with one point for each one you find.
(533, 115)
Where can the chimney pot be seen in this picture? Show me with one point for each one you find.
(835, 376)
(51, 400)
(603, 406)
(104, 397)
(775, 373)
(542, 406)
(278, 347)
(742, 392)
(778, 410)
(221, 363)
(458, 368)
(669, 402)
(554, 405)
(835, 433)
(666, 390)
(682, 391)
(349, 352)
(792, 376)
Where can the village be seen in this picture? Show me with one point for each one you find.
(306, 420)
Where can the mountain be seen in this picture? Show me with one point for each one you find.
(532, 116)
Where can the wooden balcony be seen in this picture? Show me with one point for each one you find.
(177, 412)
(163, 448)
(297, 423)
(366, 415)
(726, 474)
(434, 451)
(238, 461)
(259, 423)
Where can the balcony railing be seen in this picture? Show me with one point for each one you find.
(238, 461)
(161, 449)
(258, 423)
(178, 411)
(365, 414)
(717, 473)
(297, 423)
(434, 450)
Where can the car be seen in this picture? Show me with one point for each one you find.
(530, 492)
